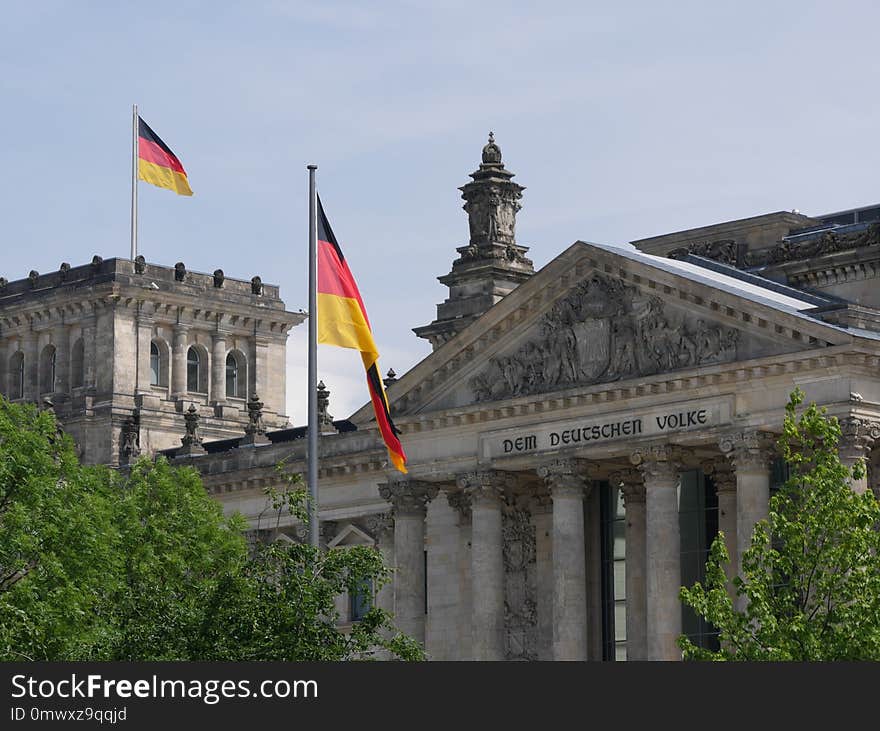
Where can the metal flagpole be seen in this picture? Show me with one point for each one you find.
(134, 181)
(313, 362)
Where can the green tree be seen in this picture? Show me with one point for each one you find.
(98, 564)
(57, 541)
(813, 589)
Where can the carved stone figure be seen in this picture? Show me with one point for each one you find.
(34, 277)
(219, 278)
(64, 270)
(130, 441)
(140, 264)
(603, 331)
(180, 271)
(256, 285)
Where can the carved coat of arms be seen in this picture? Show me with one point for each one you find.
(603, 331)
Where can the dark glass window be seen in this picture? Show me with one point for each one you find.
(361, 600)
(155, 365)
(613, 536)
(193, 370)
(16, 376)
(698, 525)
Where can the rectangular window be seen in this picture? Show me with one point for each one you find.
(698, 526)
(613, 538)
(361, 600)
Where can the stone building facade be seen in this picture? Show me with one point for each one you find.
(580, 433)
(121, 349)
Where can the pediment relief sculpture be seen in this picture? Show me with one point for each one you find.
(603, 331)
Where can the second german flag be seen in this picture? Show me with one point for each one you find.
(342, 321)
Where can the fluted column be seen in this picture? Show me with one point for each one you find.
(857, 437)
(218, 368)
(409, 501)
(660, 467)
(486, 493)
(568, 482)
(751, 453)
(178, 361)
(632, 485)
(381, 526)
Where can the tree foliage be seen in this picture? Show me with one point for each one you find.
(98, 564)
(811, 577)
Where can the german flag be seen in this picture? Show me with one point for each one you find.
(342, 321)
(157, 164)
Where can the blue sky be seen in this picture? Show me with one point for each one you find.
(624, 120)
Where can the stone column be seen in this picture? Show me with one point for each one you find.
(5, 355)
(261, 367)
(632, 486)
(31, 364)
(751, 453)
(460, 502)
(218, 368)
(144, 340)
(178, 361)
(381, 526)
(660, 467)
(857, 437)
(90, 351)
(62, 358)
(542, 518)
(568, 483)
(721, 472)
(486, 492)
(409, 500)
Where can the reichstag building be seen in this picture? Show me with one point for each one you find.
(576, 438)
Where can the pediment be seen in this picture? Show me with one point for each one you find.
(593, 317)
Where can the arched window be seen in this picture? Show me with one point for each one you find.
(196, 370)
(159, 362)
(77, 365)
(16, 376)
(236, 375)
(155, 365)
(47, 369)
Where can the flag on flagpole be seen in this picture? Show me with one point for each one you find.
(157, 164)
(342, 320)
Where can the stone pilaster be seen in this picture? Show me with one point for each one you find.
(409, 500)
(61, 336)
(460, 502)
(632, 485)
(381, 527)
(144, 336)
(90, 351)
(178, 361)
(218, 368)
(568, 482)
(31, 364)
(486, 493)
(857, 438)
(751, 453)
(660, 466)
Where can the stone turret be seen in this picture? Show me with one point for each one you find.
(492, 264)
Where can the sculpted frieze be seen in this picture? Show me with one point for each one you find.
(603, 331)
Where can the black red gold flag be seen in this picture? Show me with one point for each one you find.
(157, 164)
(343, 321)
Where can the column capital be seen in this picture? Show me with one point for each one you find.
(380, 525)
(460, 501)
(567, 477)
(631, 483)
(408, 497)
(858, 435)
(749, 449)
(659, 462)
(485, 487)
(722, 474)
